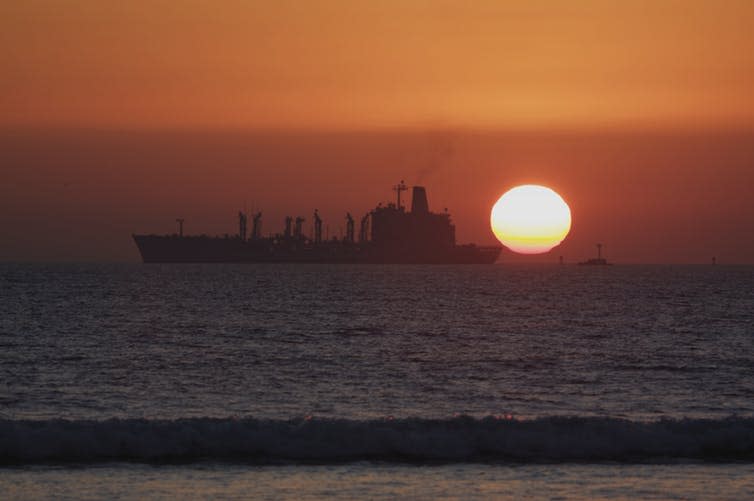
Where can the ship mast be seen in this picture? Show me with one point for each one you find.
(398, 188)
(180, 226)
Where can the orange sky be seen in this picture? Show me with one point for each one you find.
(119, 118)
(356, 63)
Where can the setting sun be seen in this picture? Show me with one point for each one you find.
(530, 219)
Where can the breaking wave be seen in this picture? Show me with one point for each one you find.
(458, 439)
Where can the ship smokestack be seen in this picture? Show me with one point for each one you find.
(419, 200)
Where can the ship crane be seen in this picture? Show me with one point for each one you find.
(349, 227)
(242, 226)
(398, 188)
(256, 226)
(299, 224)
(317, 227)
(364, 228)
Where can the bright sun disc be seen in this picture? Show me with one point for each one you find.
(530, 219)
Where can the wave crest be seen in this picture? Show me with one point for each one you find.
(459, 439)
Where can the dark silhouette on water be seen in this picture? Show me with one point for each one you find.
(598, 261)
(387, 234)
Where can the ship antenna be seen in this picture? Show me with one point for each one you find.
(398, 188)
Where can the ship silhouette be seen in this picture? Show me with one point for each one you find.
(596, 261)
(387, 234)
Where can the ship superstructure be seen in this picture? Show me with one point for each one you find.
(387, 234)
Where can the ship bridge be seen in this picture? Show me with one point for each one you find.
(420, 229)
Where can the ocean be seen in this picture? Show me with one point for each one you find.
(376, 382)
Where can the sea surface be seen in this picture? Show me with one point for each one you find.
(368, 381)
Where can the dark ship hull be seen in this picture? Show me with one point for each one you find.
(596, 261)
(175, 249)
(396, 236)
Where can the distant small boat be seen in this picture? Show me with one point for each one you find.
(596, 261)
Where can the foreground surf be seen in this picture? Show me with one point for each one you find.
(460, 439)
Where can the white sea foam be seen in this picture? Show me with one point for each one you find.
(459, 439)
